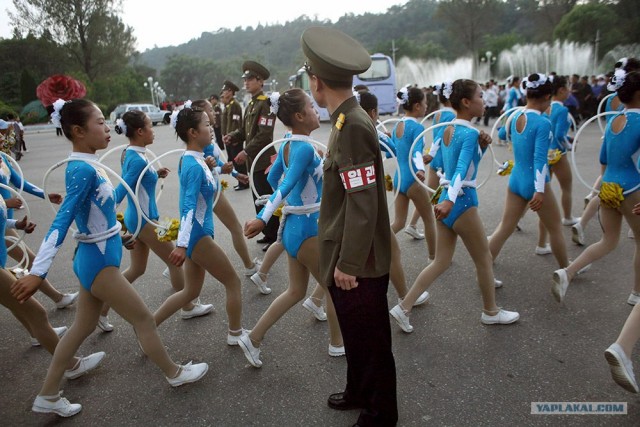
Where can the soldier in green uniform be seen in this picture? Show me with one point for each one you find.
(256, 133)
(353, 229)
(231, 121)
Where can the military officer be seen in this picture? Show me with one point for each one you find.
(256, 133)
(353, 229)
(231, 121)
(217, 118)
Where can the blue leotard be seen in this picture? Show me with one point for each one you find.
(4, 224)
(90, 201)
(135, 160)
(411, 130)
(383, 137)
(513, 98)
(301, 186)
(560, 123)
(461, 161)
(530, 149)
(212, 150)
(608, 107)
(446, 115)
(620, 152)
(197, 188)
(8, 175)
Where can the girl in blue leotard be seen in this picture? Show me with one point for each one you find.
(529, 180)
(457, 212)
(591, 201)
(223, 209)
(195, 246)
(90, 202)
(137, 126)
(559, 116)
(434, 157)
(414, 104)
(9, 176)
(514, 96)
(619, 157)
(300, 191)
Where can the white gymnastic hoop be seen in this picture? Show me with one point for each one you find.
(382, 125)
(15, 165)
(108, 170)
(266, 147)
(573, 152)
(506, 125)
(123, 147)
(431, 114)
(25, 205)
(24, 261)
(426, 131)
(601, 106)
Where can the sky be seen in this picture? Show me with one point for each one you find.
(173, 22)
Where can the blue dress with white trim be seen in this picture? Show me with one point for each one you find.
(446, 115)
(411, 130)
(8, 175)
(4, 224)
(620, 152)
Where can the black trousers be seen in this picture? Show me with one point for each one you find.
(363, 315)
(490, 113)
(232, 152)
(263, 187)
(218, 133)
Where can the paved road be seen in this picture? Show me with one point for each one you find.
(451, 371)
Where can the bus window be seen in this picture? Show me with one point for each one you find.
(379, 70)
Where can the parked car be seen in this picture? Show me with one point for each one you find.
(155, 114)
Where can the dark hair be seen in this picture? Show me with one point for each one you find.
(416, 95)
(632, 64)
(360, 87)
(514, 79)
(630, 86)
(368, 101)
(441, 98)
(541, 91)
(292, 101)
(200, 104)
(214, 96)
(75, 113)
(188, 118)
(133, 120)
(558, 83)
(462, 89)
(10, 116)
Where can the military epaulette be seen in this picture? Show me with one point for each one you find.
(262, 97)
(340, 121)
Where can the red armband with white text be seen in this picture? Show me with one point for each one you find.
(359, 177)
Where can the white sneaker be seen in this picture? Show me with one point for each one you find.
(60, 407)
(166, 273)
(197, 311)
(103, 323)
(401, 318)
(588, 198)
(570, 221)
(59, 332)
(248, 272)
(413, 232)
(424, 297)
(233, 339)
(335, 351)
(188, 373)
(560, 284)
(85, 365)
(577, 234)
(583, 269)
(67, 300)
(318, 312)
(502, 317)
(634, 298)
(621, 368)
(497, 283)
(546, 250)
(261, 284)
(250, 352)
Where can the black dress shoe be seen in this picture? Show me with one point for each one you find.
(266, 247)
(339, 402)
(263, 240)
(240, 187)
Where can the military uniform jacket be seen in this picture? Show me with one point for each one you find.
(217, 114)
(257, 131)
(231, 117)
(353, 229)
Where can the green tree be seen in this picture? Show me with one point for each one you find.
(90, 30)
(190, 77)
(28, 87)
(584, 22)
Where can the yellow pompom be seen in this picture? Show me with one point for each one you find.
(278, 212)
(388, 182)
(505, 169)
(168, 230)
(436, 196)
(611, 195)
(120, 219)
(554, 156)
(224, 184)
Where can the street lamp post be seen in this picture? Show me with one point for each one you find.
(149, 83)
(489, 59)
